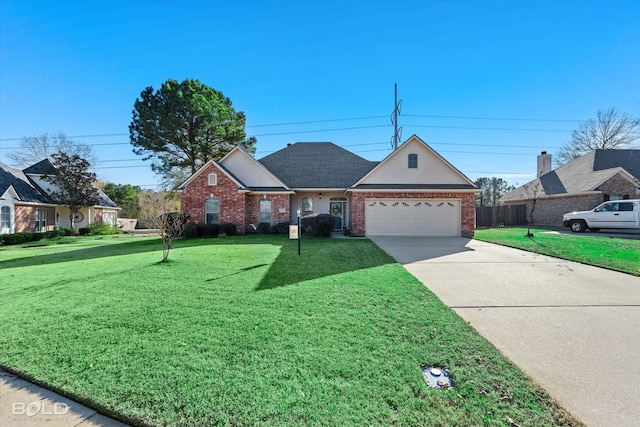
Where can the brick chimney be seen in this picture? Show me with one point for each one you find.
(544, 163)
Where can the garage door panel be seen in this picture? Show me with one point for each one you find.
(412, 217)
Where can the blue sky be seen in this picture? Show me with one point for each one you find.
(300, 70)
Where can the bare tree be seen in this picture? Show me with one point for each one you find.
(610, 129)
(36, 148)
(534, 192)
(161, 211)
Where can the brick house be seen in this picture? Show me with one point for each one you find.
(413, 191)
(26, 204)
(582, 184)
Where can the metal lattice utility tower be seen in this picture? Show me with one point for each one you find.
(397, 132)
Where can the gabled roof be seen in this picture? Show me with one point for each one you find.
(628, 160)
(434, 172)
(43, 167)
(316, 165)
(25, 189)
(250, 172)
(583, 174)
(218, 166)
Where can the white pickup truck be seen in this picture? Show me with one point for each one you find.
(613, 214)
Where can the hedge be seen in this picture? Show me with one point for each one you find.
(13, 239)
(281, 228)
(318, 225)
(228, 229)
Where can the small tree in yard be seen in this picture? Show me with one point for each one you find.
(160, 211)
(74, 185)
(534, 192)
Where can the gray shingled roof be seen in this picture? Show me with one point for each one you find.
(27, 191)
(629, 160)
(317, 165)
(582, 174)
(43, 167)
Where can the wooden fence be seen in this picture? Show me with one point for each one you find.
(501, 216)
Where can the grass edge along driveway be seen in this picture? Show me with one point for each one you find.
(601, 251)
(242, 331)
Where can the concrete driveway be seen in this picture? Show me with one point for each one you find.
(573, 328)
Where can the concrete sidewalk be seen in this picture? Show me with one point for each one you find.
(24, 404)
(574, 329)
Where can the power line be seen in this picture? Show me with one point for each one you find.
(315, 121)
(75, 136)
(503, 173)
(121, 167)
(90, 145)
(493, 118)
(482, 128)
(104, 135)
(323, 130)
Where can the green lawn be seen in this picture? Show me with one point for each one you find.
(613, 253)
(242, 331)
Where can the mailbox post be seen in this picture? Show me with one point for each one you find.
(298, 212)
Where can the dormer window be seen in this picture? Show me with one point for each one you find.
(413, 161)
(213, 179)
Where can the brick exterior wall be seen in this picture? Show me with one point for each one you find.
(232, 202)
(25, 218)
(549, 211)
(467, 207)
(619, 186)
(278, 201)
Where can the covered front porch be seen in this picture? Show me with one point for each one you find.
(333, 202)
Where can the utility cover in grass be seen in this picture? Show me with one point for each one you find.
(436, 377)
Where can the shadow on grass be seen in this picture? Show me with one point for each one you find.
(321, 258)
(126, 248)
(242, 270)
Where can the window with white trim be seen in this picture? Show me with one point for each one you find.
(212, 211)
(307, 206)
(5, 217)
(213, 179)
(265, 211)
(413, 161)
(41, 220)
(109, 218)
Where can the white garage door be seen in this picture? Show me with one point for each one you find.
(412, 217)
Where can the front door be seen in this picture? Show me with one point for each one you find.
(338, 209)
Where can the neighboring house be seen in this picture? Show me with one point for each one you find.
(579, 185)
(413, 191)
(26, 204)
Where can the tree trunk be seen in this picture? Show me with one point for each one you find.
(72, 217)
